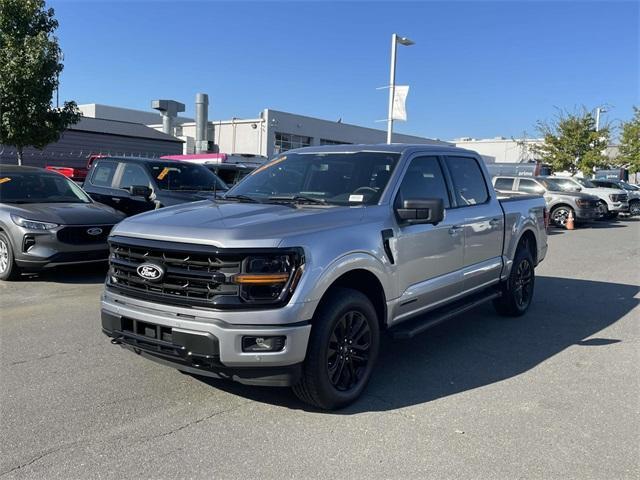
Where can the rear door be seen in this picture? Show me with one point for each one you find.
(131, 174)
(481, 217)
(99, 184)
(429, 256)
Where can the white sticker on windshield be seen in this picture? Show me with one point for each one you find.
(356, 198)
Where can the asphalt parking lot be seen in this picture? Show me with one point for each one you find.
(555, 394)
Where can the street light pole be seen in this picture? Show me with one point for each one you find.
(599, 110)
(392, 79)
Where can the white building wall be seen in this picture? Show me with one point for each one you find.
(502, 150)
(97, 110)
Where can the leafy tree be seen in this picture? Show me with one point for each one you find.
(29, 71)
(572, 143)
(630, 143)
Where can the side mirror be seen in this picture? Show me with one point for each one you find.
(140, 191)
(423, 210)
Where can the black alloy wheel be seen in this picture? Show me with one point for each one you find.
(348, 351)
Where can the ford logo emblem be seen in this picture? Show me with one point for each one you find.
(94, 231)
(150, 271)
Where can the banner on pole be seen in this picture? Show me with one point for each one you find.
(399, 101)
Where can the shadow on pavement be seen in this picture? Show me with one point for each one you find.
(479, 348)
(71, 274)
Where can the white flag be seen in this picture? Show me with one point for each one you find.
(399, 100)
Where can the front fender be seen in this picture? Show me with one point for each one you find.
(318, 280)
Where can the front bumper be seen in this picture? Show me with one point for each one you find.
(48, 251)
(205, 344)
(619, 207)
(587, 213)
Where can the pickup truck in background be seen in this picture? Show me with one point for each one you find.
(292, 276)
(632, 191)
(560, 202)
(134, 185)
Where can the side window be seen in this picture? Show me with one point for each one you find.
(468, 181)
(103, 172)
(503, 183)
(133, 174)
(423, 179)
(529, 186)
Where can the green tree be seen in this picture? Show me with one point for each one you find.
(630, 143)
(572, 143)
(29, 72)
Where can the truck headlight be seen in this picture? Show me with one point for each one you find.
(32, 224)
(269, 278)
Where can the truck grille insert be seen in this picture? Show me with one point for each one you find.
(191, 276)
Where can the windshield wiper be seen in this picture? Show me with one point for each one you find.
(298, 199)
(240, 198)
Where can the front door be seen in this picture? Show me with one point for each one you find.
(429, 257)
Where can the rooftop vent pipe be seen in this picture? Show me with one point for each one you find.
(169, 110)
(202, 120)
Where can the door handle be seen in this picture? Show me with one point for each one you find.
(116, 199)
(456, 229)
(494, 221)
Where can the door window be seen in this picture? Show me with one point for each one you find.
(103, 172)
(503, 183)
(529, 186)
(133, 175)
(468, 181)
(423, 179)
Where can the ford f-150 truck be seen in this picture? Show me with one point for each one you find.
(292, 277)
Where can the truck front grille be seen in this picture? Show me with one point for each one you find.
(619, 197)
(194, 275)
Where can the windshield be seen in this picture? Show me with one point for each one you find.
(628, 186)
(39, 187)
(584, 182)
(331, 178)
(185, 176)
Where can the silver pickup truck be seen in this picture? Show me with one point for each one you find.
(292, 277)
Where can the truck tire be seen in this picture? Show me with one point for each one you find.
(604, 210)
(517, 291)
(8, 268)
(343, 347)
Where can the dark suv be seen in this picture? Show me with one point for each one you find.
(136, 185)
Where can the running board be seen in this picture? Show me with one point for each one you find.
(417, 325)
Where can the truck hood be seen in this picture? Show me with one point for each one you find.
(67, 213)
(236, 225)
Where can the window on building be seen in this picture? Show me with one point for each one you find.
(289, 141)
(325, 141)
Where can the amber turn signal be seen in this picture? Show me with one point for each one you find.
(261, 279)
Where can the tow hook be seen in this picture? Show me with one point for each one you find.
(116, 341)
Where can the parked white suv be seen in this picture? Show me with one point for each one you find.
(612, 200)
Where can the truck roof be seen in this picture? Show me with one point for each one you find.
(382, 147)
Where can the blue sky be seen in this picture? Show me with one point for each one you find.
(478, 69)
